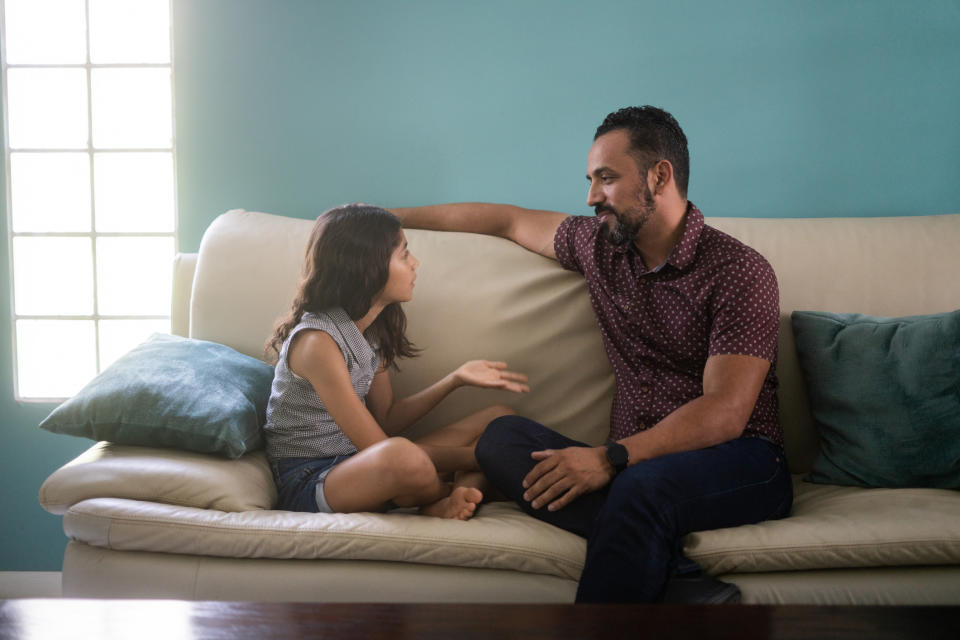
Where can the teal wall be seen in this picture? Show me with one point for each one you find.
(792, 108)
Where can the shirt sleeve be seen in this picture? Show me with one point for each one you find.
(573, 240)
(746, 319)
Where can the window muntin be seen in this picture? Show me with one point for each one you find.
(91, 192)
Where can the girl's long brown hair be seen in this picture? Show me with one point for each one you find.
(347, 264)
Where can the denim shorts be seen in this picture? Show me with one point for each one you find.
(300, 482)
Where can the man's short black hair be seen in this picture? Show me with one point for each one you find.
(655, 135)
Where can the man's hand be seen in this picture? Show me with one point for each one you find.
(564, 474)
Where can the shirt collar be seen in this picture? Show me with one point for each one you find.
(682, 254)
(355, 340)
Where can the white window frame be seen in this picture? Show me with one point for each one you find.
(90, 150)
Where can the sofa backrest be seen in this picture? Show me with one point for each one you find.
(482, 297)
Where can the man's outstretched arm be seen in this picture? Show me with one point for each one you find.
(531, 229)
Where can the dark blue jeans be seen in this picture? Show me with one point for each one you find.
(634, 525)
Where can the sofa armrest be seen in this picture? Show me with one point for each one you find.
(184, 266)
(169, 476)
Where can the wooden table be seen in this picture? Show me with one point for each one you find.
(170, 619)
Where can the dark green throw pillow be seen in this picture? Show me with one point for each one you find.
(173, 392)
(885, 394)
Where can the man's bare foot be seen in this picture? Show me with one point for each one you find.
(459, 505)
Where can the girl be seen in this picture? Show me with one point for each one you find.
(332, 417)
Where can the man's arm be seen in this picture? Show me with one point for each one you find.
(531, 229)
(731, 386)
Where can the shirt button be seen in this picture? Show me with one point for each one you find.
(642, 426)
(644, 389)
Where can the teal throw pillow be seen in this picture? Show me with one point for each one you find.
(173, 392)
(885, 394)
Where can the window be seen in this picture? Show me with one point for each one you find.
(91, 205)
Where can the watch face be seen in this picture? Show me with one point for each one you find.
(617, 455)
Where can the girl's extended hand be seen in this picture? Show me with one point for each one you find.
(492, 375)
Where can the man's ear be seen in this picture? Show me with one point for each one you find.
(662, 176)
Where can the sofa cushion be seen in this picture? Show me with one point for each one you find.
(162, 475)
(835, 527)
(885, 394)
(831, 527)
(173, 392)
(500, 536)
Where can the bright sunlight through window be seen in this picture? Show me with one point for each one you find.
(91, 190)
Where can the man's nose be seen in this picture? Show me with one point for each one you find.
(594, 195)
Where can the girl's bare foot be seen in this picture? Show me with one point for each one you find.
(459, 505)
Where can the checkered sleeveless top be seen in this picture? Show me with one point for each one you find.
(298, 424)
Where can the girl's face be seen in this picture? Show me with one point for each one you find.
(403, 272)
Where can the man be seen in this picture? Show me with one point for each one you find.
(689, 318)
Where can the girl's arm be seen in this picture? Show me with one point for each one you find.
(315, 356)
(394, 417)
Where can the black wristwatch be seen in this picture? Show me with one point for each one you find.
(618, 457)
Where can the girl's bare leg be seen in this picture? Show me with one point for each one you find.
(452, 449)
(399, 471)
(394, 470)
(466, 430)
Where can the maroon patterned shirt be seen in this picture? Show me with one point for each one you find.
(714, 295)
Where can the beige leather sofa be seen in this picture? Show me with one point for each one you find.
(163, 523)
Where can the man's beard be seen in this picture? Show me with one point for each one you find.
(625, 231)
